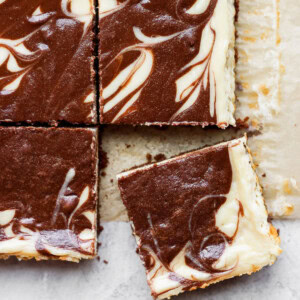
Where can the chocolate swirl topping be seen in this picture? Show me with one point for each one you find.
(46, 62)
(147, 50)
(47, 188)
(173, 208)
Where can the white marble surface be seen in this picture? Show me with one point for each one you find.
(124, 278)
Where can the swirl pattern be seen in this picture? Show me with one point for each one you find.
(182, 81)
(199, 218)
(43, 44)
(48, 207)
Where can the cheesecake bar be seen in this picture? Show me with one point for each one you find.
(46, 62)
(48, 193)
(199, 218)
(167, 62)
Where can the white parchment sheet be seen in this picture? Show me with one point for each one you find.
(121, 276)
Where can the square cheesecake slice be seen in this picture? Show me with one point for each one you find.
(167, 62)
(48, 193)
(46, 62)
(199, 218)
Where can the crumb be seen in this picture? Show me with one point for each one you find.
(98, 246)
(128, 146)
(270, 219)
(278, 231)
(111, 180)
(103, 159)
(103, 174)
(99, 229)
(149, 157)
(264, 175)
(105, 261)
(159, 157)
(242, 123)
(98, 258)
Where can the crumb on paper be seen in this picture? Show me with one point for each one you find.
(159, 157)
(103, 159)
(149, 157)
(242, 123)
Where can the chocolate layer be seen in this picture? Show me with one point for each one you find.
(46, 61)
(148, 51)
(199, 218)
(175, 203)
(48, 183)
